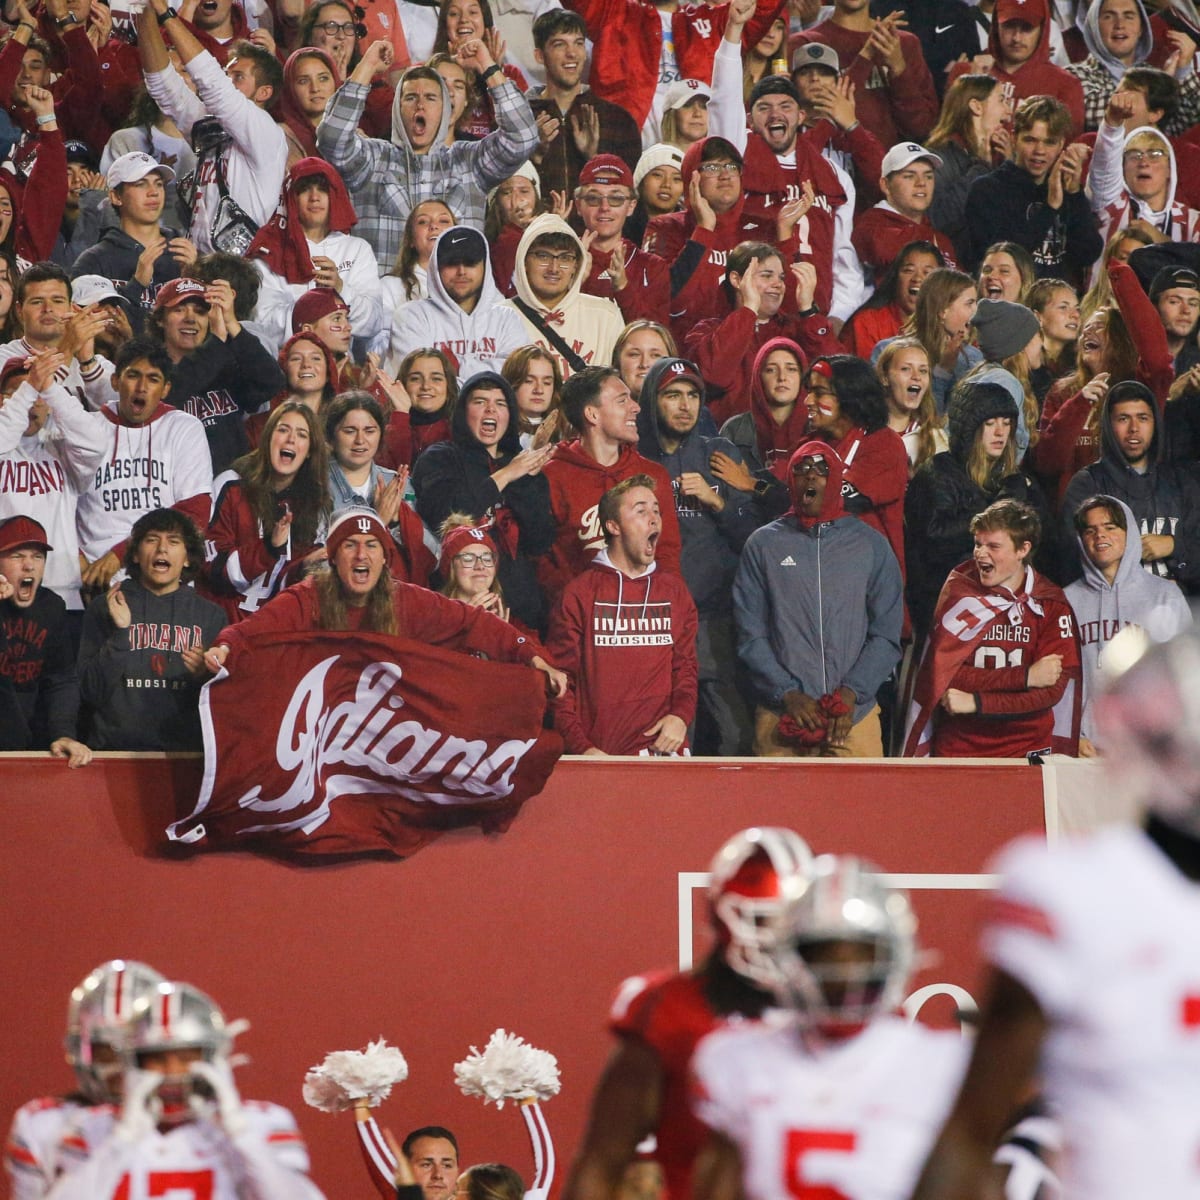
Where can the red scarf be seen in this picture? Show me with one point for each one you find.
(831, 505)
(281, 241)
(290, 112)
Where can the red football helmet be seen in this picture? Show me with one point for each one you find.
(746, 889)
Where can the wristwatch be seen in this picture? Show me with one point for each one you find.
(164, 17)
(488, 72)
(69, 19)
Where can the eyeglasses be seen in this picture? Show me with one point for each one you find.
(471, 561)
(818, 466)
(544, 258)
(596, 200)
(1141, 156)
(334, 29)
(720, 168)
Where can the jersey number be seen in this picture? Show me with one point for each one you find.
(799, 1143)
(993, 656)
(173, 1185)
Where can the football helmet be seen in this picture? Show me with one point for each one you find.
(843, 945)
(177, 1017)
(745, 891)
(1148, 717)
(96, 1017)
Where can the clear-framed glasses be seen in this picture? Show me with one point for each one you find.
(546, 258)
(598, 200)
(343, 29)
(720, 168)
(1142, 156)
(471, 559)
(816, 464)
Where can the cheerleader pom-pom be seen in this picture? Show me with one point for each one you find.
(508, 1069)
(347, 1077)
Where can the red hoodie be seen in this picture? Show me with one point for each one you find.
(629, 646)
(881, 233)
(1037, 76)
(777, 443)
(577, 481)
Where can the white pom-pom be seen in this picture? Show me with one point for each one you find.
(508, 1069)
(347, 1076)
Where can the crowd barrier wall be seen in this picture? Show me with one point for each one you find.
(600, 877)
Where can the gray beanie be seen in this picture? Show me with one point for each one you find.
(1004, 328)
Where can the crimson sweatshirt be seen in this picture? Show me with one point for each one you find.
(577, 481)
(881, 233)
(629, 646)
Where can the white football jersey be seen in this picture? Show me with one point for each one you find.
(1105, 932)
(31, 1154)
(854, 1119)
(193, 1161)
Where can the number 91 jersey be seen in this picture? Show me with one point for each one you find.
(849, 1120)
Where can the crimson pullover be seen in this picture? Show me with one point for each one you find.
(1038, 76)
(894, 108)
(647, 291)
(881, 233)
(421, 615)
(577, 481)
(629, 645)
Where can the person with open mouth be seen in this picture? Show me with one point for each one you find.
(1056, 306)
(1118, 37)
(39, 689)
(904, 371)
(1006, 273)
(894, 300)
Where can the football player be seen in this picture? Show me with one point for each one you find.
(843, 1098)
(1095, 963)
(181, 1127)
(660, 1017)
(96, 1014)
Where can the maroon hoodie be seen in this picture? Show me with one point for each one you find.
(777, 443)
(881, 233)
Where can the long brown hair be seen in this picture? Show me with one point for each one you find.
(308, 493)
(928, 421)
(406, 261)
(380, 616)
(940, 290)
(957, 121)
(513, 373)
(988, 473)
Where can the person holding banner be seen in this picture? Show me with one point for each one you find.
(357, 594)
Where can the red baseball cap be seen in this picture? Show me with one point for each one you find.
(22, 531)
(177, 291)
(315, 304)
(606, 168)
(1032, 12)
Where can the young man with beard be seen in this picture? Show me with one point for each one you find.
(387, 179)
(1175, 293)
(156, 457)
(1000, 676)
(1113, 594)
(597, 403)
(551, 301)
(907, 181)
(818, 602)
(43, 470)
(138, 255)
(39, 690)
(1037, 198)
(463, 315)
(141, 658)
(1164, 496)
(577, 124)
(640, 283)
(715, 519)
(358, 594)
(220, 370)
(626, 635)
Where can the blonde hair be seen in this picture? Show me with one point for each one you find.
(988, 473)
(928, 421)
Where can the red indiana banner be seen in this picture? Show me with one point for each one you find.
(336, 744)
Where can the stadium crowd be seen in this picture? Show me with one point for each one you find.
(797, 380)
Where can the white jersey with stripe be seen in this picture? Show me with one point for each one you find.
(31, 1154)
(1102, 931)
(197, 1160)
(854, 1118)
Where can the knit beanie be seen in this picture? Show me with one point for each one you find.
(1003, 328)
(970, 405)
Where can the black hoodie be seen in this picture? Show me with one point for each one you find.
(115, 256)
(1165, 498)
(456, 476)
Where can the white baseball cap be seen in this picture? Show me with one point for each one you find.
(94, 289)
(684, 91)
(131, 167)
(902, 155)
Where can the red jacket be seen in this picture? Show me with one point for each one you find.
(627, 45)
(877, 474)
(647, 293)
(1038, 76)
(577, 481)
(726, 351)
(629, 646)
(38, 205)
(870, 326)
(881, 233)
(894, 109)
(404, 438)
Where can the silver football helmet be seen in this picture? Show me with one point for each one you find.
(177, 1017)
(746, 889)
(97, 1014)
(1148, 717)
(843, 945)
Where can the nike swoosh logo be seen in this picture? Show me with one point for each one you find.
(940, 29)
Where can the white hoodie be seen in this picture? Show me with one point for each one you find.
(477, 341)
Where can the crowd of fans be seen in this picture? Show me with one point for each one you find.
(773, 365)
